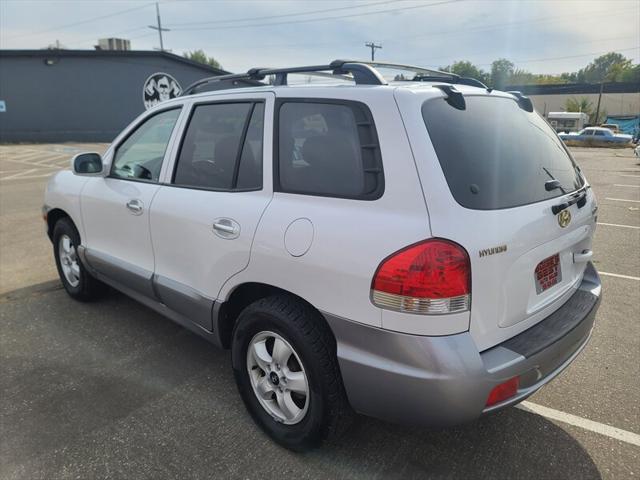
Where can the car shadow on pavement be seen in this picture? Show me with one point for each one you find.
(112, 389)
(509, 444)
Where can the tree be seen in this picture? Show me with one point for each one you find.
(465, 68)
(610, 67)
(569, 77)
(201, 57)
(583, 105)
(631, 74)
(501, 72)
(524, 77)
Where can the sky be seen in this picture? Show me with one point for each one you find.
(541, 36)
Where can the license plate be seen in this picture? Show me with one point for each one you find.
(548, 273)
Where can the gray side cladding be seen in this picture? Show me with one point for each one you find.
(80, 96)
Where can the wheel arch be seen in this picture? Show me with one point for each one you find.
(226, 313)
(53, 216)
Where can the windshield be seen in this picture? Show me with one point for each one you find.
(496, 155)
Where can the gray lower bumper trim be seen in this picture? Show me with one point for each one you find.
(440, 381)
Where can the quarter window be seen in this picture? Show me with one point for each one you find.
(222, 147)
(328, 149)
(250, 169)
(140, 156)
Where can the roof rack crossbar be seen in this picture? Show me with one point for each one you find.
(361, 72)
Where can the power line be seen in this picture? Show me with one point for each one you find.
(81, 22)
(466, 56)
(391, 40)
(310, 12)
(339, 17)
(508, 24)
(574, 56)
(564, 57)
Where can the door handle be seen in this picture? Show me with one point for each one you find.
(226, 228)
(135, 206)
(582, 257)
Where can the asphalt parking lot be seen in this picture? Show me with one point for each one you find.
(113, 390)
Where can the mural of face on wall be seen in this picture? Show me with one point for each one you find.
(160, 87)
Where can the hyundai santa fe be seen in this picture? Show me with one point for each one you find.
(415, 251)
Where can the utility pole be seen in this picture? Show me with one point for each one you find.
(599, 100)
(373, 48)
(159, 27)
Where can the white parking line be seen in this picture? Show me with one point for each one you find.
(601, 428)
(617, 275)
(618, 225)
(622, 200)
(31, 164)
(19, 174)
(28, 177)
(634, 176)
(622, 185)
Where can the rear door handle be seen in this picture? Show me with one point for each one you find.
(135, 206)
(583, 257)
(226, 228)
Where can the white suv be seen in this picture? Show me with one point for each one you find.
(416, 251)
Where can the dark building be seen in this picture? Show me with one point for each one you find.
(85, 95)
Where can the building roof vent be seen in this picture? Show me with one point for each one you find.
(113, 44)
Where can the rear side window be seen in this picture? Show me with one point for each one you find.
(328, 148)
(496, 155)
(222, 147)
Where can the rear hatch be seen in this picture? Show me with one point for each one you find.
(498, 181)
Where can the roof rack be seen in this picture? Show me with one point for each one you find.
(363, 73)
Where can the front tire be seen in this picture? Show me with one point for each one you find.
(286, 369)
(75, 278)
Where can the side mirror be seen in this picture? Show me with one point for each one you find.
(87, 164)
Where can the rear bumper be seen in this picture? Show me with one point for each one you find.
(441, 381)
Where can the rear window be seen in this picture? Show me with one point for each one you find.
(495, 155)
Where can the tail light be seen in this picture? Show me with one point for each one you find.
(430, 277)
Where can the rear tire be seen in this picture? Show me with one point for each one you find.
(75, 278)
(310, 376)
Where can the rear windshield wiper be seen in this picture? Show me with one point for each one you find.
(552, 184)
